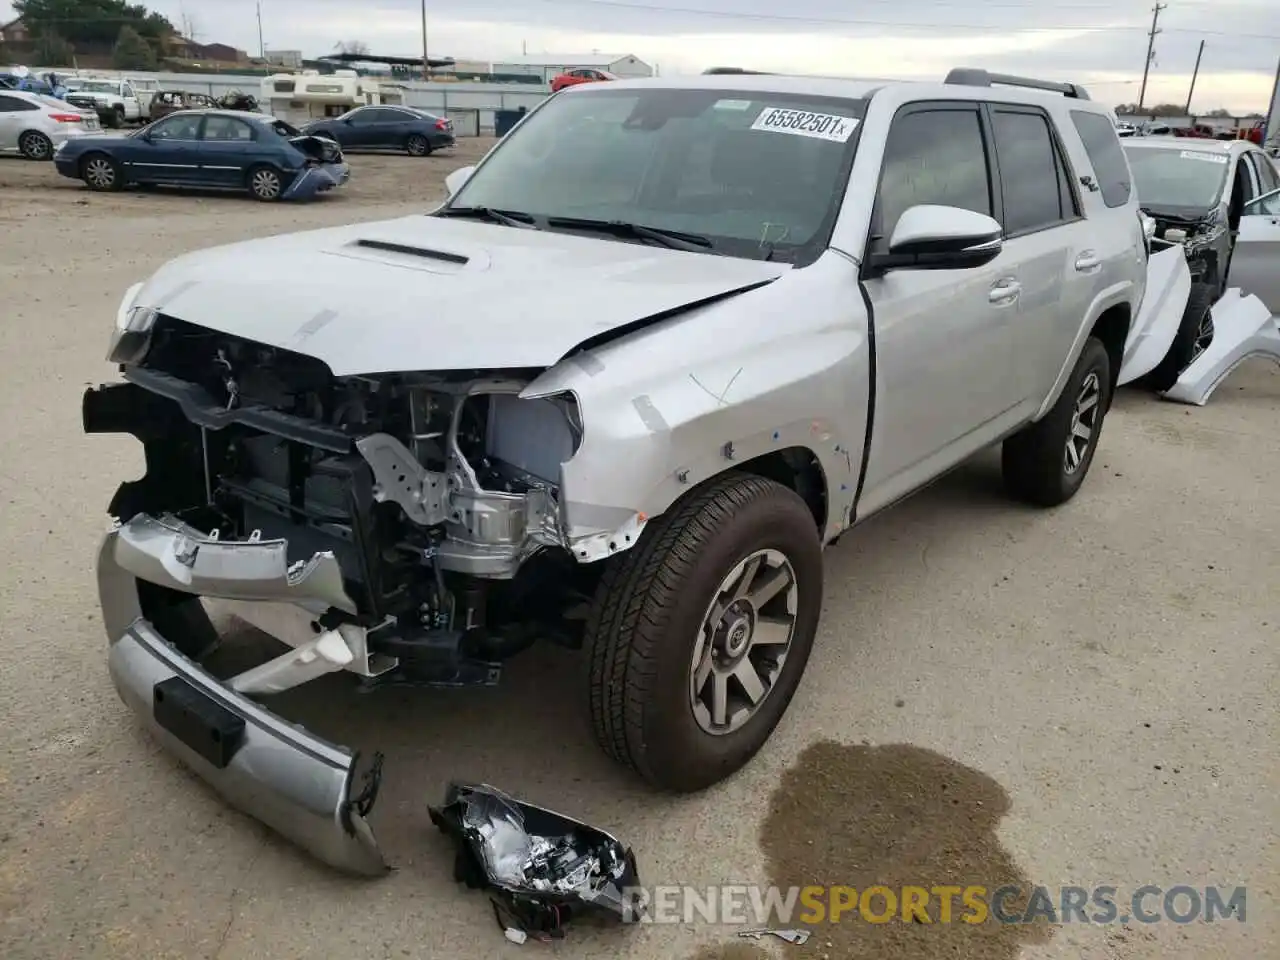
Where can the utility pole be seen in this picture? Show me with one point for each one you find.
(426, 66)
(1151, 51)
(262, 50)
(1194, 73)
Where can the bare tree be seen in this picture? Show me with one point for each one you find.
(188, 25)
(355, 47)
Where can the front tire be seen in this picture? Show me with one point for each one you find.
(699, 634)
(1194, 334)
(116, 118)
(1045, 463)
(417, 145)
(101, 173)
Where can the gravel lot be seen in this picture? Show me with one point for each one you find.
(1086, 696)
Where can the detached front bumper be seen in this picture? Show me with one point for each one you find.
(291, 780)
(313, 181)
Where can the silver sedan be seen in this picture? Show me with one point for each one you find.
(34, 124)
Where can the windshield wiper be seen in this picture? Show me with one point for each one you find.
(675, 239)
(508, 218)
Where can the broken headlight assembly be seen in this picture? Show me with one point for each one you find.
(132, 332)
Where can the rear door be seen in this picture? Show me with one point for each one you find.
(13, 120)
(389, 127)
(226, 151)
(1255, 265)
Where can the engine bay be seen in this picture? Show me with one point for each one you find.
(437, 493)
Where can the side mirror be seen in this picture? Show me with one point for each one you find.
(930, 237)
(454, 181)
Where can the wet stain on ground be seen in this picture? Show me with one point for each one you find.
(892, 816)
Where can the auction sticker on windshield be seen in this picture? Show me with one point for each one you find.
(803, 123)
(1201, 155)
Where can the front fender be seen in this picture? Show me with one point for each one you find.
(674, 405)
(1243, 327)
(1163, 303)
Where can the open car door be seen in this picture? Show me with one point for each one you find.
(1255, 264)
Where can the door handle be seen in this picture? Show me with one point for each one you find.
(1004, 291)
(1087, 261)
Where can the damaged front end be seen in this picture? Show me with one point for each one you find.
(324, 169)
(403, 528)
(1205, 240)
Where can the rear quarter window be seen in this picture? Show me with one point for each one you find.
(1102, 144)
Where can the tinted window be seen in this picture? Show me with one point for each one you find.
(934, 156)
(1031, 177)
(10, 104)
(759, 174)
(1102, 145)
(360, 117)
(1268, 178)
(177, 128)
(226, 128)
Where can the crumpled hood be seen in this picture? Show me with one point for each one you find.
(426, 293)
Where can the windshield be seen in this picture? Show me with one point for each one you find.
(757, 174)
(96, 86)
(1175, 178)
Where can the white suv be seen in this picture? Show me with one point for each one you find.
(669, 339)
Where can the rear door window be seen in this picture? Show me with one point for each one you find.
(1033, 180)
(1102, 144)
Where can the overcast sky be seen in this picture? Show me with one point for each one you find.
(1098, 42)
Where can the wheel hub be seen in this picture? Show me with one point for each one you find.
(736, 626)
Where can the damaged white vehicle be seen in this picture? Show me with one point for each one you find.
(669, 339)
(1210, 216)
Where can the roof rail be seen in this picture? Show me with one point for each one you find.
(969, 77)
(717, 71)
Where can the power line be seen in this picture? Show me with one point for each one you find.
(1151, 49)
(861, 22)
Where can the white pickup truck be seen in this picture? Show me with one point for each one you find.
(117, 101)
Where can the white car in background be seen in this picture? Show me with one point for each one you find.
(34, 124)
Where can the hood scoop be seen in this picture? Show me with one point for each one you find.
(413, 256)
(411, 251)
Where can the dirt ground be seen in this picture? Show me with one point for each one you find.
(1077, 697)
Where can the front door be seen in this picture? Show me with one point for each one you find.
(1255, 264)
(165, 152)
(944, 339)
(357, 129)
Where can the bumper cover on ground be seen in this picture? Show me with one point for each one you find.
(1243, 327)
(291, 780)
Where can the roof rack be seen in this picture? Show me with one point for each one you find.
(969, 77)
(718, 71)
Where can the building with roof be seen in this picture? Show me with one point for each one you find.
(546, 66)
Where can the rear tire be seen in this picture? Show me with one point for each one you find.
(265, 184)
(417, 145)
(1194, 334)
(659, 655)
(34, 145)
(101, 173)
(1045, 463)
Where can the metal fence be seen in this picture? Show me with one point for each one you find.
(471, 106)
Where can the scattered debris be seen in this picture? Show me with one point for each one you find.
(791, 936)
(544, 868)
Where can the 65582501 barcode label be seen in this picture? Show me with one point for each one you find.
(804, 123)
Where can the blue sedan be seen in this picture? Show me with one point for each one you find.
(220, 149)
